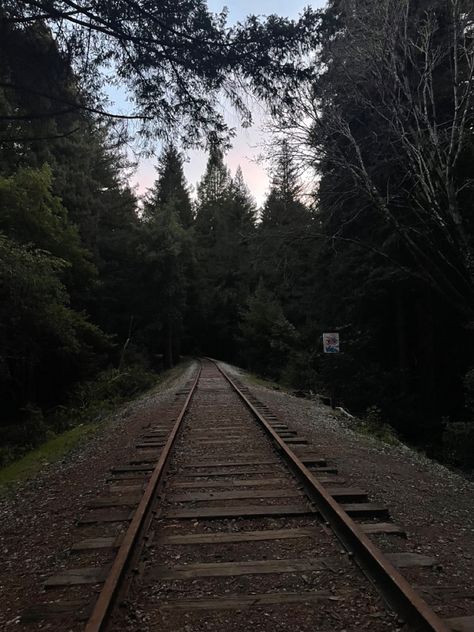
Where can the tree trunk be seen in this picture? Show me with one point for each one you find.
(169, 344)
(401, 344)
(427, 356)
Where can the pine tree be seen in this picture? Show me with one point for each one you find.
(394, 246)
(225, 221)
(167, 258)
(213, 195)
(282, 246)
(171, 186)
(283, 206)
(244, 204)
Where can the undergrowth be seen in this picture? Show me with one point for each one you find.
(261, 381)
(42, 438)
(458, 444)
(89, 402)
(455, 449)
(372, 424)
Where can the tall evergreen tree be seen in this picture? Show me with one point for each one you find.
(171, 185)
(167, 258)
(283, 206)
(213, 194)
(225, 221)
(281, 253)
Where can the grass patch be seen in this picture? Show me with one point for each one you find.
(49, 452)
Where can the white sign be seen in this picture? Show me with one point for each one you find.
(331, 343)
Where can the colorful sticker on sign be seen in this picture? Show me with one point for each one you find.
(331, 343)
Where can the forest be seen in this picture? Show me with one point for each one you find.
(367, 229)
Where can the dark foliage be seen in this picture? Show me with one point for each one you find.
(388, 127)
(175, 56)
(375, 98)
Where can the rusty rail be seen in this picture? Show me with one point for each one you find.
(391, 584)
(110, 589)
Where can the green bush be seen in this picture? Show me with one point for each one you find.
(267, 337)
(28, 433)
(458, 443)
(468, 382)
(374, 425)
(93, 399)
(114, 385)
(301, 372)
(90, 402)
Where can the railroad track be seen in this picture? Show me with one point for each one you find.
(227, 519)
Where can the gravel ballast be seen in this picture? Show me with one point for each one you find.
(433, 504)
(38, 519)
(176, 578)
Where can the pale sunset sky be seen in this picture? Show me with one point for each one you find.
(247, 144)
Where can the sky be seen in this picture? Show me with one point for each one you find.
(248, 143)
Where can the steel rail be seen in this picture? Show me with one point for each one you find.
(103, 605)
(394, 587)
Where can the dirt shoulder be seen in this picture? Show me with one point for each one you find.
(37, 518)
(433, 504)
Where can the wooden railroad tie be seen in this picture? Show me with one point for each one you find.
(202, 464)
(238, 602)
(263, 567)
(98, 574)
(289, 492)
(239, 472)
(245, 511)
(240, 536)
(236, 482)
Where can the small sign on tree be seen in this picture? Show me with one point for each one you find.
(331, 343)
